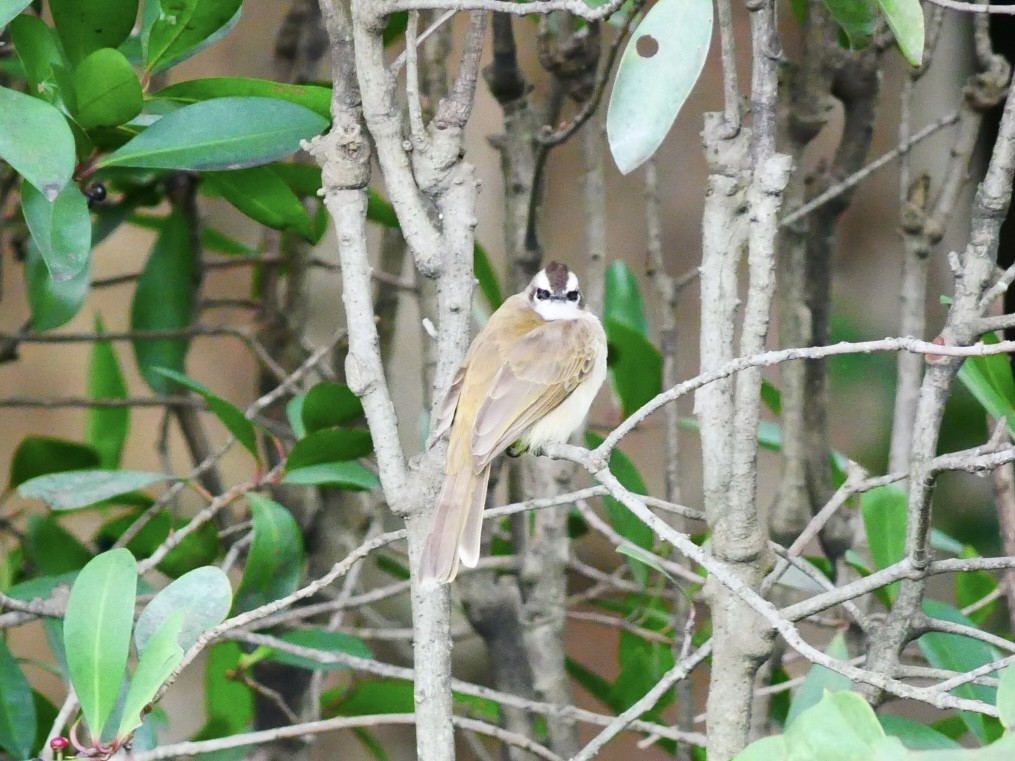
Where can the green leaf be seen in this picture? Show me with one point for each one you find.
(106, 428)
(884, 519)
(348, 475)
(232, 417)
(52, 549)
(294, 414)
(330, 445)
(47, 69)
(203, 597)
(182, 26)
(1005, 698)
(38, 455)
(145, 542)
(157, 661)
(87, 26)
(262, 195)
(772, 748)
(327, 405)
(314, 97)
(642, 664)
(819, 679)
(319, 639)
(9, 9)
(275, 561)
(25, 124)
(973, 586)
(857, 18)
(46, 714)
(96, 630)
(17, 707)
(369, 697)
(53, 302)
(487, 277)
(961, 654)
(80, 488)
(224, 133)
(61, 228)
(229, 702)
(107, 90)
(164, 300)
(623, 520)
(660, 66)
(198, 549)
(841, 726)
(635, 363)
(905, 17)
(990, 381)
(915, 735)
(624, 303)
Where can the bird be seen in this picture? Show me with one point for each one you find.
(527, 380)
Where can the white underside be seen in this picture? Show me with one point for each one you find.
(558, 425)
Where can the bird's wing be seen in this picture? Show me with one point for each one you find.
(537, 373)
(446, 409)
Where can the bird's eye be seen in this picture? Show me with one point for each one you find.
(542, 294)
(572, 295)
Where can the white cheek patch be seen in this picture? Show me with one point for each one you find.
(551, 309)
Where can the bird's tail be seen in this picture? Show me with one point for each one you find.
(457, 526)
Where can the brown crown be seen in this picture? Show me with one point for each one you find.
(557, 274)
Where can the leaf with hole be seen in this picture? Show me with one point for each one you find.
(25, 124)
(80, 488)
(96, 630)
(223, 133)
(660, 66)
(275, 561)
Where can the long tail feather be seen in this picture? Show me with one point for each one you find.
(472, 531)
(440, 554)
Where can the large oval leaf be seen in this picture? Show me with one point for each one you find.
(275, 561)
(314, 97)
(326, 641)
(164, 300)
(203, 596)
(107, 90)
(25, 124)
(46, 67)
(330, 445)
(80, 488)
(17, 707)
(224, 133)
(659, 68)
(327, 405)
(857, 18)
(61, 228)
(86, 27)
(349, 475)
(96, 630)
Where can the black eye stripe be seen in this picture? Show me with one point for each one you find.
(573, 295)
(542, 293)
